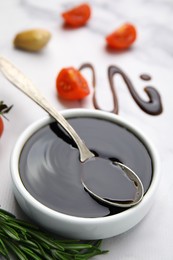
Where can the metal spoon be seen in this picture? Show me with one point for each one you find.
(20, 81)
(26, 86)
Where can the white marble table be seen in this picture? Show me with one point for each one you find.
(152, 53)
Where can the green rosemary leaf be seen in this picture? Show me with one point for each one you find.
(16, 250)
(29, 252)
(77, 246)
(49, 257)
(28, 243)
(68, 256)
(10, 232)
(5, 214)
(44, 239)
(62, 256)
(46, 255)
(17, 226)
(40, 248)
(3, 249)
(26, 224)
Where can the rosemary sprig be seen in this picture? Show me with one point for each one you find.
(26, 241)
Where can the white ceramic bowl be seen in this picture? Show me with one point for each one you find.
(79, 227)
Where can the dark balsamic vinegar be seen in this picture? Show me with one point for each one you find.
(50, 168)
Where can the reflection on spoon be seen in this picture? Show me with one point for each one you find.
(103, 185)
(27, 87)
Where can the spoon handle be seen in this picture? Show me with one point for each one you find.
(26, 86)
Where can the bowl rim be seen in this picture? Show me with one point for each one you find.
(68, 113)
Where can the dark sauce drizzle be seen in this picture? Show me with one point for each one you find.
(145, 77)
(94, 99)
(153, 106)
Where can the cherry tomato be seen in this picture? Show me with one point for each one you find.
(71, 85)
(122, 38)
(78, 16)
(1, 126)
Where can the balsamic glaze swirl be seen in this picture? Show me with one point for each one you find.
(154, 104)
